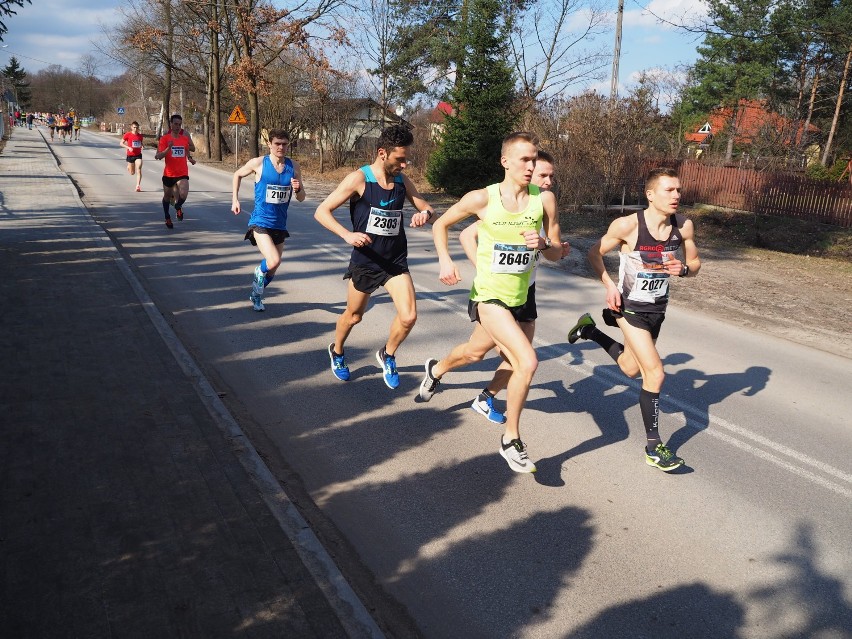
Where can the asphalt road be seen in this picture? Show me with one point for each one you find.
(752, 539)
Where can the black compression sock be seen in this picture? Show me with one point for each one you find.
(615, 349)
(166, 208)
(649, 404)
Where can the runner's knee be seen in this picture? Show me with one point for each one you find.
(408, 319)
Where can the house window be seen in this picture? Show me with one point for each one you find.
(705, 128)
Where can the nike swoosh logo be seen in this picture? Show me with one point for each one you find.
(383, 203)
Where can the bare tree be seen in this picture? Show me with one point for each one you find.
(552, 46)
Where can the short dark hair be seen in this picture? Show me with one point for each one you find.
(175, 116)
(655, 174)
(394, 136)
(544, 156)
(277, 134)
(134, 123)
(518, 136)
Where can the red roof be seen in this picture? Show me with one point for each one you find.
(440, 112)
(752, 117)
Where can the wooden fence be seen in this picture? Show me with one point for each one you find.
(766, 193)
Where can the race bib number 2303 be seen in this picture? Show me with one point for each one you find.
(383, 222)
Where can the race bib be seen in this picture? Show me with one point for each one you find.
(650, 287)
(383, 222)
(178, 152)
(136, 144)
(277, 193)
(512, 258)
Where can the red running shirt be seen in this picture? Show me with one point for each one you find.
(176, 158)
(134, 141)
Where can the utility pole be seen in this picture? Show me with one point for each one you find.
(613, 87)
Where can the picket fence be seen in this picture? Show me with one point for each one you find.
(764, 193)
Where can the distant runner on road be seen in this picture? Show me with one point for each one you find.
(133, 142)
(175, 146)
(376, 194)
(276, 179)
(648, 242)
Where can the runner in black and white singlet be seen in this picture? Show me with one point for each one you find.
(376, 194)
(649, 242)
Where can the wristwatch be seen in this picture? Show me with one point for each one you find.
(547, 243)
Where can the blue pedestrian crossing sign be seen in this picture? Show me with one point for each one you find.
(121, 110)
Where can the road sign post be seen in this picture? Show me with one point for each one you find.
(237, 118)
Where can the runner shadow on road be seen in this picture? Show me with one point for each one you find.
(496, 565)
(699, 391)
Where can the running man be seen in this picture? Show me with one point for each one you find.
(133, 142)
(51, 124)
(513, 214)
(484, 402)
(647, 243)
(175, 146)
(376, 194)
(276, 179)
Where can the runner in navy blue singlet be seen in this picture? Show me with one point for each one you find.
(376, 194)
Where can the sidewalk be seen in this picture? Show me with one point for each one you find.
(127, 509)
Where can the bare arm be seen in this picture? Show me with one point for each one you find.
(550, 225)
(469, 239)
(615, 236)
(424, 211)
(244, 171)
(474, 203)
(296, 182)
(352, 184)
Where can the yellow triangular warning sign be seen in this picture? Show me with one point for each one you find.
(237, 116)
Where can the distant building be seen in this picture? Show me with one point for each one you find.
(754, 120)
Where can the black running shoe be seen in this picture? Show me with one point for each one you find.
(576, 331)
(169, 224)
(663, 458)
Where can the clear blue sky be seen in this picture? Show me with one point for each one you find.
(60, 32)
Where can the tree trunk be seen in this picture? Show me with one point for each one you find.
(254, 124)
(215, 148)
(167, 78)
(834, 120)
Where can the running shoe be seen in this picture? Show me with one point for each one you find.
(138, 189)
(663, 458)
(609, 317)
(484, 405)
(338, 365)
(515, 454)
(179, 214)
(577, 331)
(169, 224)
(388, 365)
(257, 302)
(259, 281)
(430, 383)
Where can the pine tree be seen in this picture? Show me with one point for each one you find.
(469, 152)
(18, 77)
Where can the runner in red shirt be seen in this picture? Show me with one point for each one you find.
(175, 146)
(132, 141)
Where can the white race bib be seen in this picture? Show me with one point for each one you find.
(649, 287)
(178, 152)
(277, 193)
(512, 258)
(136, 144)
(383, 222)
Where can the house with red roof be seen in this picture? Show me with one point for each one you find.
(753, 120)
